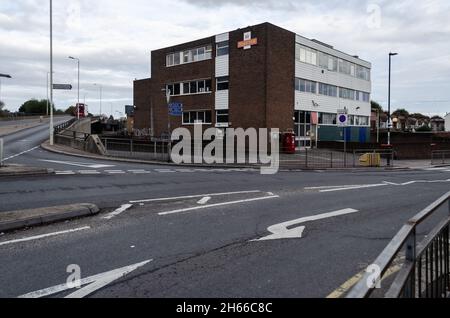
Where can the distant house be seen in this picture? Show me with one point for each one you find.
(447, 122)
(437, 123)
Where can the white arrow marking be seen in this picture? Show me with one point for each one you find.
(117, 212)
(204, 200)
(80, 164)
(282, 231)
(95, 282)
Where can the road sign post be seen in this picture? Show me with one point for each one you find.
(342, 121)
(1, 152)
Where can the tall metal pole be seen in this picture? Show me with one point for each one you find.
(51, 74)
(389, 102)
(46, 111)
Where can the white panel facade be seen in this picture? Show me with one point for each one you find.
(447, 122)
(314, 73)
(222, 100)
(222, 66)
(306, 42)
(222, 37)
(327, 104)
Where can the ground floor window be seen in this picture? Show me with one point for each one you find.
(303, 128)
(197, 117)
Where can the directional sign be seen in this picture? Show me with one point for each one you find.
(285, 230)
(342, 120)
(66, 87)
(176, 109)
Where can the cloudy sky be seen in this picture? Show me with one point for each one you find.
(113, 39)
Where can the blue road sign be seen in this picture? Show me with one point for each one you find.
(176, 109)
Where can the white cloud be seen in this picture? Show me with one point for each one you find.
(114, 38)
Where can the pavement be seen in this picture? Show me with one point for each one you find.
(192, 232)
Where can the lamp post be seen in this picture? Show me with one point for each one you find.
(78, 62)
(101, 91)
(389, 98)
(51, 74)
(5, 76)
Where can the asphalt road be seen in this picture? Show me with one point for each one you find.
(195, 229)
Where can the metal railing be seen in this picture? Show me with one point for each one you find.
(425, 271)
(330, 159)
(59, 128)
(135, 149)
(440, 157)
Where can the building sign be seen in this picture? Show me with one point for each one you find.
(248, 41)
(176, 109)
(129, 110)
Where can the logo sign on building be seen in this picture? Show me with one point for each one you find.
(66, 87)
(248, 41)
(176, 109)
(342, 118)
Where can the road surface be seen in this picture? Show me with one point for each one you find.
(201, 232)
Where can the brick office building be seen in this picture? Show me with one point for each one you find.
(261, 76)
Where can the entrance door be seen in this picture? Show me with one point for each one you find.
(303, 129)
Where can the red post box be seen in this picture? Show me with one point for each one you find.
(289, 143)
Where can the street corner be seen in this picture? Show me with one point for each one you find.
(20, 171)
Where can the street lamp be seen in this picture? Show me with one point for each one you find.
(78, 104)
(389, 98)
(51, 74)
(5, 76)
(101, 89)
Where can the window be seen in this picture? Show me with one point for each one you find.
(222, 48)
(306, 55)
(222, 117)
(362, 72)
(197, 117)
(189, 56)
(222, 83)
(365, 97)
(327, 119)
(345, 67)
(189, 88)
(327, 90)
(305, 86)
(347, 93)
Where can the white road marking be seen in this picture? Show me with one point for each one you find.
(80, 164)
(195, 196)
(117, 212)
(20, 154)
(93, 283)
(139, 171)
(282, 231)
(115, 171)
(65, 172)
(164, 171)
(354, 187)
(217, 205)
(38, 237)
(88, 172)
(204, 200)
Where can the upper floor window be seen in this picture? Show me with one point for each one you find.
(347, 93)
(222, 48)
(362, 72)
(197, 117)
(328, 62)
(305, 54)
(189, 88)
(189, 56)
(222, 83)
(305, 86)
(327, 90)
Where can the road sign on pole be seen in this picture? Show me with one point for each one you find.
(66, 87)
(176, 109)
(342, 121)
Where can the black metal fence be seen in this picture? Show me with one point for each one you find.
(332, 159)
(425, 271)
(440, 157)
(135, 149)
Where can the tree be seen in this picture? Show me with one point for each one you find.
(376, 106)
(424, 128)
(401, 112)
(35, 107)
(71, 110)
